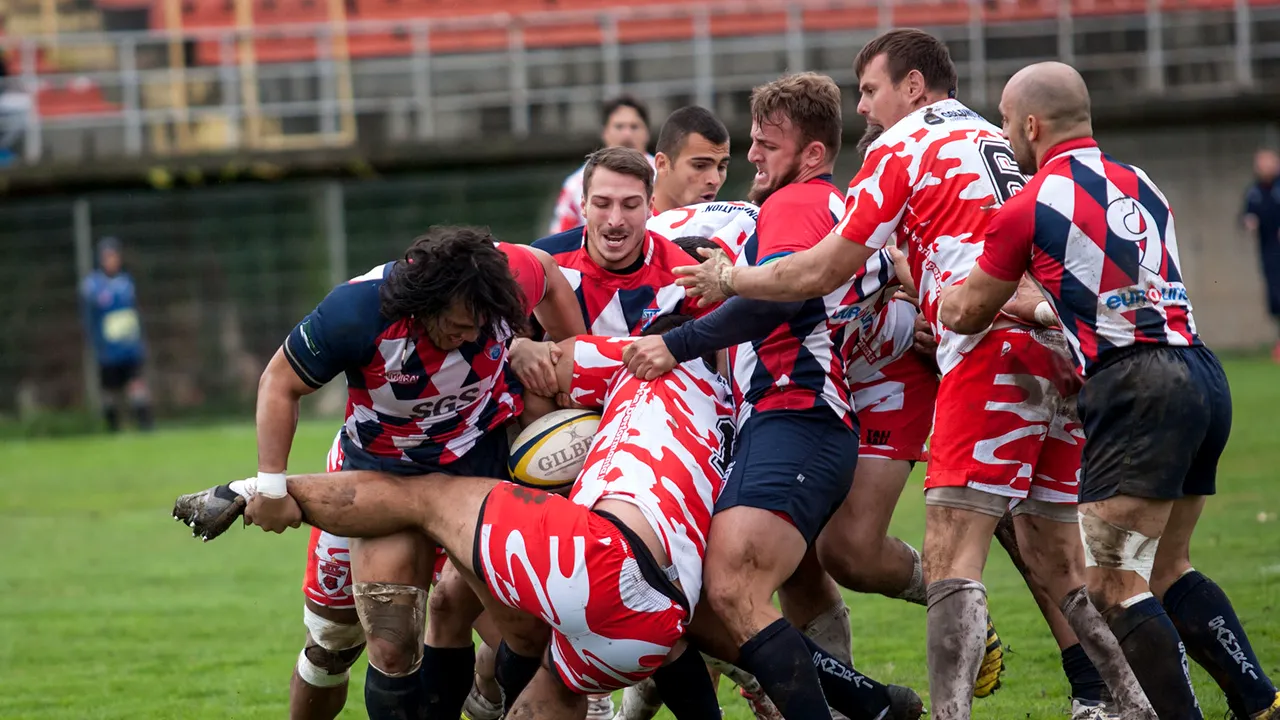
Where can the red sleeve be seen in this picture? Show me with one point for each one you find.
(796, 218)
(596, 362)
(1006, 249)
(528, 272)
(877, 198)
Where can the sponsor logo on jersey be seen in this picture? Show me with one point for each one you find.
(1132, 297)
(305, 330)
(444, 404)
(402, 378)
(495, 352)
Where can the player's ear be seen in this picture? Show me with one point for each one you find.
(661, 162)
(814, 155)
(915, 85)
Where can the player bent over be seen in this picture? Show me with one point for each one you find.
(422, 343)
(611, 570)
(1098, 236)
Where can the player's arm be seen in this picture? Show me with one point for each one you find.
(536, 405)
(1252, 208)
(324, 344)
(970, 307)
(559, 312)
(735, 321)
(807, 274)
(1029, 305)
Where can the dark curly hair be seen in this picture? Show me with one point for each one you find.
(448, 264)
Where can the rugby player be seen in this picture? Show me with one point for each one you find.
(625, 122)
(422, 343)
(907, 81)
(615, 570)
(1098, 236)
(797, 446)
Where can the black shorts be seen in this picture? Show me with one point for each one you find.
(798, 463)
(115, 377)
(1156, 420)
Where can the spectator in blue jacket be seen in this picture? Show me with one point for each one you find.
(114, 328)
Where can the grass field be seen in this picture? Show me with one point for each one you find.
(108, 609)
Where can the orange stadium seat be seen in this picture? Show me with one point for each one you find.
(77, 97)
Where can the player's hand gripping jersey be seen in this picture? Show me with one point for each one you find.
(935, 178)
(411, 407)
(661, 446)
(727, 224)
(619, 304)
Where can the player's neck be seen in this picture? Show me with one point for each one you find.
(663, 201)
(812, 173)
(1052, 141)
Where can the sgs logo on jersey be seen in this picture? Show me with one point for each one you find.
(445, 404)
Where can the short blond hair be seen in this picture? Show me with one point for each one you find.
(812, 103)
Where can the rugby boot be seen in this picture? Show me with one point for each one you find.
(761, 706)
(209, 512)
(992, 664)
(904, 704)
(1271, 713)
(1091, 710)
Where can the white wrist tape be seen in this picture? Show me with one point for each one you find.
(1045, 315)
(272, 485)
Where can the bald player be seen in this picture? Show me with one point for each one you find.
(1098, 237)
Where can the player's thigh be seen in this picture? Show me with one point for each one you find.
(452, 607)
(750, 553)
(1049, 539)
(797, 464)
(406, 558)
(862, 520)
(809, 592)
(959, 525)
(1173, 556)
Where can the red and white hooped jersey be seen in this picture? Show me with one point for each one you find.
(727, 224)
(934, 178)
(662, 445)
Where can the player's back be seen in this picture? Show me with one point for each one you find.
(662, 445)
(935, 177)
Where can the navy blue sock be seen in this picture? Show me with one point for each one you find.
(855, 695)
(1157, 656)
(393, 698)
(1208, 624)
(446, 675)
(779, 659)
(1086, 682)
(685, 688)
(513, 673)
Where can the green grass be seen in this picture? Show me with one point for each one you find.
(108, 609)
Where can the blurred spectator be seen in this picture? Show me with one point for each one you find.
(1262, 215)
(626, 124)
(14, 107)
(111, 320)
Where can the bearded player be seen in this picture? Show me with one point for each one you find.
(907, 79)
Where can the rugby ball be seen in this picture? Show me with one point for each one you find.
(550, 453)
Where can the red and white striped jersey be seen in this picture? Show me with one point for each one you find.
(662, 445)
(1098, 237)
(727, 224)
(933, 178)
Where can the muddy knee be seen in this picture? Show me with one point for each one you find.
(1115, 551)
(394, 620)
(330, 651)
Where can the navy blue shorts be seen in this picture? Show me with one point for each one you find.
(796, 462)
(1156, 420)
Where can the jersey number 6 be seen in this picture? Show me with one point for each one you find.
(1002, 168)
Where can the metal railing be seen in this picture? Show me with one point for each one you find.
(440, 89)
